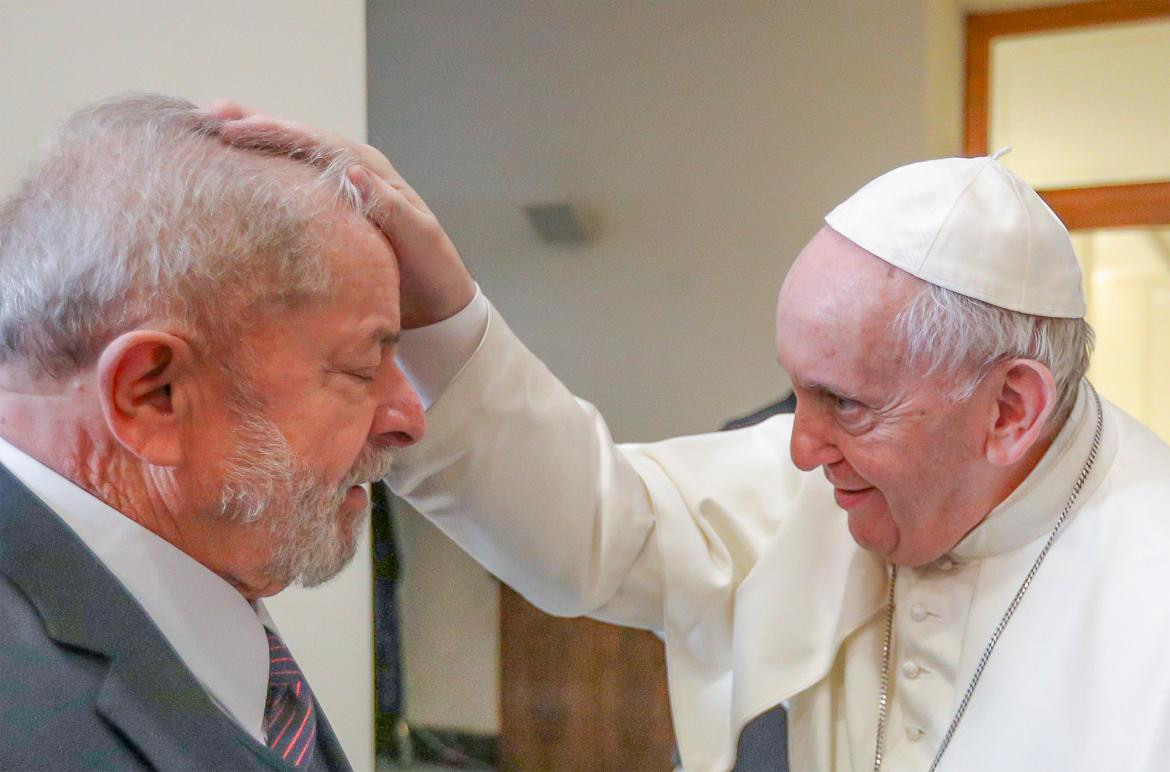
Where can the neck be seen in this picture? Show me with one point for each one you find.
(59, 423)
(1008, 479)
(51, 429)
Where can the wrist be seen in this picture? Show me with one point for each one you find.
(440, 303)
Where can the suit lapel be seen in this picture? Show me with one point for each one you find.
(148, 693)
(329, 751)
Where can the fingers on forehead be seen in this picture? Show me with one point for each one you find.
(386, 202)
(246, 128)
(271, 136)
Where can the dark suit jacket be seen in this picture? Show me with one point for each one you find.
(86, 679)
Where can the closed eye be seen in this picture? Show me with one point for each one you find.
(356, 374)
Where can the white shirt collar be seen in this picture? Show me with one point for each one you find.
(210, 625)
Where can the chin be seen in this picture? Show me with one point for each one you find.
(329, 558)
(874, 533)
(317, 551)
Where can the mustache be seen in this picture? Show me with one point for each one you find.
(371, 465)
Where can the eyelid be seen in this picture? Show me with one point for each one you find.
(857, 418)
(851, 413)
(354, 373)
(836, 398)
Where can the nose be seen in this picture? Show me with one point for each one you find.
(811, 443)
(399, 418)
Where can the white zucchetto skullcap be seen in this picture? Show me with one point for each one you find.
(969, 225)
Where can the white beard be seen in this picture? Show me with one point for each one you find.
(265, 482)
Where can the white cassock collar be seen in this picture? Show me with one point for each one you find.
(211, 626)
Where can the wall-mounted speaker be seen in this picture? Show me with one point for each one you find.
(562, 223)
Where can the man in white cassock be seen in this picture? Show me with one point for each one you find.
(953, 555)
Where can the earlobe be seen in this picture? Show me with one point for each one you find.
(1023, 404)
(141, 377)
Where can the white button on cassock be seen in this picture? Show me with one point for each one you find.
(910, 669)
(918, 612)
(914, 732)
(945, 564)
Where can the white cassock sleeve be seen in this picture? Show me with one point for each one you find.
(666, 536)
(526, 478)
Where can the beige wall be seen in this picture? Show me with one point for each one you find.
(943, 64)
(1127, 283)
(710, 137)
(302, 58)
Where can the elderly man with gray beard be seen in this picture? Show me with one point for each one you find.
(953, 556)
(197, 374)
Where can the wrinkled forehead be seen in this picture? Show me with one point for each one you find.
(838, 304)
(339, 256)
(831, 269)
(354, 303)
(355, 252)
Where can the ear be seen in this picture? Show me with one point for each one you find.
(142, 378)
(1023, 404)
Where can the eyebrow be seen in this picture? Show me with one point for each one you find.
(830, 389)
(816, 385)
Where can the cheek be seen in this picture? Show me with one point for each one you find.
(900, 469)
(924, 480)
(341, 441)
(329, 436)
(876, 457)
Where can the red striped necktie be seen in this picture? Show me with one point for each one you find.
(290, 722)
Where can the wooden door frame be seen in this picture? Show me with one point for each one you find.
(1099, 206)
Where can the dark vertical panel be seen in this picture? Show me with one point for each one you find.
(388, 679)
(580, 694)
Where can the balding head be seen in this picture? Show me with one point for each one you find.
(836, 286)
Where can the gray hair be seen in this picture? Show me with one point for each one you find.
(139, 213)
(955, 335)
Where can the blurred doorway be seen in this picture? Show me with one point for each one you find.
(1081, 92)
